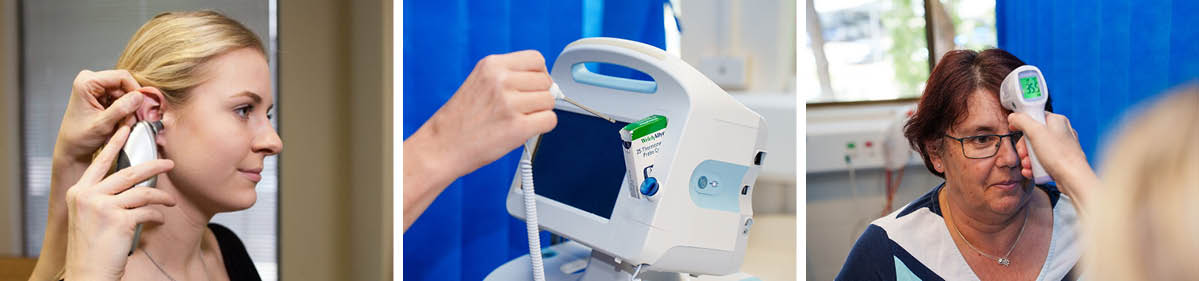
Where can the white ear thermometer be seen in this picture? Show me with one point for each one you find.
(1024, 90)
(139, 148)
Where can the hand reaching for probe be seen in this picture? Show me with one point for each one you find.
(504, 101)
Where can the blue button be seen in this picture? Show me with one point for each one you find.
(649, 187)
(703, 182)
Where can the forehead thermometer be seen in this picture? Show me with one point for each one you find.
(140, 148)
(1024, 90)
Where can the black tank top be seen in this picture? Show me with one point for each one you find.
(237, 260)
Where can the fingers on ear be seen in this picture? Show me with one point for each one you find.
(151, 107)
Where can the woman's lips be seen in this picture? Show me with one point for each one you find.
(253, 175)
(1007, 185)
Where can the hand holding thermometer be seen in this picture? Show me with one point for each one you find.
(1024, 90)
(140, 148)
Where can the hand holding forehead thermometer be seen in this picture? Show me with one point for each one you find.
(1024, 90)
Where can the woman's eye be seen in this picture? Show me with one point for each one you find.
(243, 111)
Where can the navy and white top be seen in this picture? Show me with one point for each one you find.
(913, 243)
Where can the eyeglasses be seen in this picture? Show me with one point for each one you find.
(985, 146)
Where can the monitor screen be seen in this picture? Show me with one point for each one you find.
(1029, 85)
(580, 163)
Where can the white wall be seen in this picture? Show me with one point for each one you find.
(759, 32)
(839, 209)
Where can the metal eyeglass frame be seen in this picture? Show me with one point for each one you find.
(1013, 136)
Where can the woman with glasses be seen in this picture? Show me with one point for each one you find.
(987, 221)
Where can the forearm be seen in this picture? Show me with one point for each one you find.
(64, 172)
(52, 258)
(429, 167)
(1079, 182)
(1081, 186)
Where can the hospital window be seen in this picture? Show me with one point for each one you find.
(875, 50)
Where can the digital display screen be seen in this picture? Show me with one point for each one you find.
(1030, 86)
(580, 163)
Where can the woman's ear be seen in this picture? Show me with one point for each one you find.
(934, 154)
(152, 105)
(152, 109)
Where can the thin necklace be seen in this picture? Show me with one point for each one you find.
(168, 275)
(1004, 261)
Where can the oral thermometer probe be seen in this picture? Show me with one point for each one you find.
(557, 92)
(1024, 90)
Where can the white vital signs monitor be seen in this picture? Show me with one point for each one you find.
(699, 219)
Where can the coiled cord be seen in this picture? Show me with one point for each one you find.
(526, 183)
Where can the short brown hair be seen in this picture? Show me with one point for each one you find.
(944, 102)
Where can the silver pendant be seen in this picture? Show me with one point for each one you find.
(1004, 261)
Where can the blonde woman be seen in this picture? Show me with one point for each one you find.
(1140, 221)
(206, 77)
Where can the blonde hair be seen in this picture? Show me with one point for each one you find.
(170, 50)
(1144, 222)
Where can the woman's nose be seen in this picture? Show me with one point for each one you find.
(268, 141)
(1008, 156)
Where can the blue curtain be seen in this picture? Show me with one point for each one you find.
(467, 232)
(1102, 57)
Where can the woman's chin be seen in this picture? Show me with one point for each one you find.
(1007, 202)
(238, 200)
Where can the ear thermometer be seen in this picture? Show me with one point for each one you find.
(140, 148)
(1024, 90)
